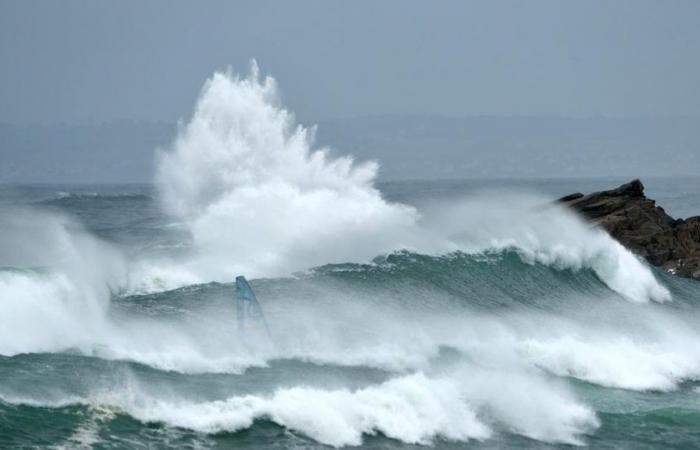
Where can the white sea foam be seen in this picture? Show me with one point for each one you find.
(620, 362)
(411, 409)
(543, 233)
(87, 435)
(650, 349)
(419, 409)
(645, 350)
(55, 289)
(259, 199)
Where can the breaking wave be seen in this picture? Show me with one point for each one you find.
(414, 409)
(258, 199)
(56, 280)
(463, 320)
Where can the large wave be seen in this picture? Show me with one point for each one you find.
(461, 403)
(258, 199)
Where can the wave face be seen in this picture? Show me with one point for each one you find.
(479, 319)
(411, 348)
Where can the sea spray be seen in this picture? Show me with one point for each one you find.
(259, 199)
(462, 321)
(55, 282)
(545, 233)
(460, 404)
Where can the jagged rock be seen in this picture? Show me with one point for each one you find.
(643, 227)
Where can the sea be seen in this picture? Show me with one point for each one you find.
(441, 314)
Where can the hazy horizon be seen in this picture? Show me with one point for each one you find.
(406, 147)
(351, 237)
(453, 89)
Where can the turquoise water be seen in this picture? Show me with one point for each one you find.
(496, 347)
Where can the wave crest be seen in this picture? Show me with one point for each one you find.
(258, 198)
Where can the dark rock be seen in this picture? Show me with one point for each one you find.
(643, 227)
(571, 197)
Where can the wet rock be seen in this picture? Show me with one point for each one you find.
(643, 227)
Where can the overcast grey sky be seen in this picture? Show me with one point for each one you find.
(94, 61)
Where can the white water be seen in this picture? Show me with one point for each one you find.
(413, 409)
(259, 199)
(466, 403)
(546, 234)
(57, 295)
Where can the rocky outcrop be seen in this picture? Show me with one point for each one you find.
(643, 227)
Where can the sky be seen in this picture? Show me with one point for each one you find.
(87, 62)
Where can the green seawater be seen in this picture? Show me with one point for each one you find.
(482, 350)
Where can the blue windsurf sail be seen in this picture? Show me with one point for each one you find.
(251, 320)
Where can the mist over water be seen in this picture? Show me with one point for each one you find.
(258, 198)
(489, 318)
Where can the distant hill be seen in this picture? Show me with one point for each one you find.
(408, 147)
